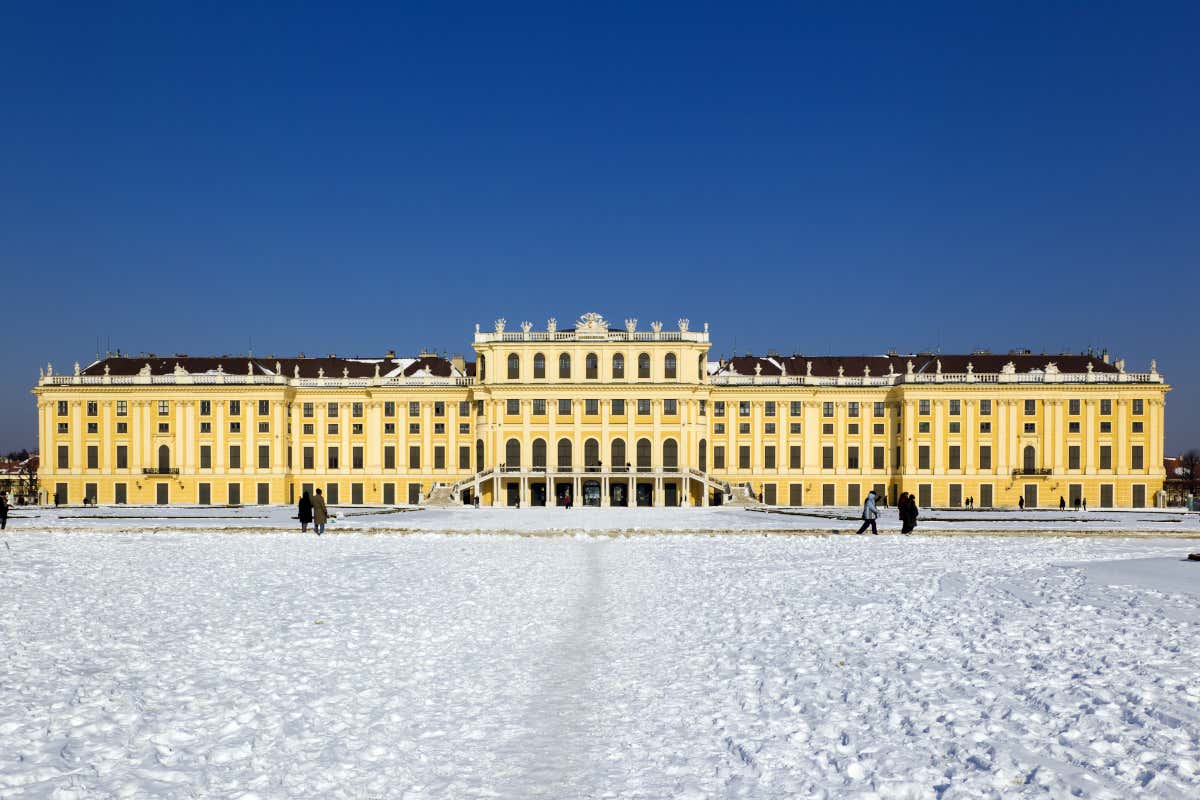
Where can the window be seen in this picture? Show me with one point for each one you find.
(539, 408)
(719, 457)
(796, 408)
(265, 427)
(923, 457)
(955, 457)
(744, 457)
(479, 408)
(669, 366)
(827, 429)
(827, 409)
(414, 408)
(618, 365)
(464, 456)
(122, 408)
(356, 428)
(618, 408)
(1073, 408)
(718, 408)
(564, 366)
(670, 407)
(235, 427)
(1139, 407)
(439, 427)
(985, 408)
(955, 408)
(703, 408)
(643, 407)
(389, 409)
(165, 427)
(514, 367)
(564, 408)
(464, 427)
(164, 407)
(235, 408)
(794, 428)
(985, 456)
(414, 428)
(591, 407)
(94, 427)
(1073, 457)
(795, 457)
(93, 457)
(62, 408)
(235, 456)
(464, 408)
(769, 457)
(439, 457)
(1072, 427)
(827, 457)
(1106, 427)
(923, 427)
(878, 457)
(1136, 460)
(307, 456)
(356, 410)
(923, 407)
(879, 409)
(743, 427)
(852, 457)
(512, 408)
(331, 410)
(1030, 427)
(306, 410)
(591, 367)
(1105, 456)
(1137, 427)
(644, 365)
(985, 427)
(878, 429)
(956, 427)
(769, 428)
(356, 458)
(93, 408)
(332, 458)
(718, 427)
(64, 456)
(264, 456)
(743, 408)
(307, 429)
(852, 429)
(1030, 407)
(769, 408)
(852, 409)
(63, 428)
(539, 365)
(332, 429)
(439, 408)
(264, 407)
(123, 456)
(205, 427)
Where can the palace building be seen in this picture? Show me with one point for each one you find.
(605, 415)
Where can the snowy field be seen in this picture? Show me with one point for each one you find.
(146, 659)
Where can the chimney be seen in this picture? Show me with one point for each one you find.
(391, 355)
(1104, 355)
(458, 362)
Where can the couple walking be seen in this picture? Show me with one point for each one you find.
(313, 510)
(907, 506)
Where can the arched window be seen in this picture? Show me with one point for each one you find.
(591, 367)
(1030, 458)
(539, 366)
(591, 453)
(564, 453)
(703, 456)
(644, 365)
(618, 366)
(164, 458)
(564, 366)
(643, 455)
(514, 367)
(670, 453)
(512, 453)
(539, 452)
(669, 366)
(478, 454)
(618, 454)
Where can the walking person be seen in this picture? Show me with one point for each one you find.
(305, 512)
(1084, 503)
(1062, 503)
(1021, 503)
(3, 510)
(908, 513)
(320, 513)
(869, 513)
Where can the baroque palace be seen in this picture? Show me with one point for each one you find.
(604, 415)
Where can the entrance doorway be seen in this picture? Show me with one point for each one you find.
(512, 494)
(671, 494)
(561, 491)
(537, 494)
(618, 494)
(645, 494)
(591, 493)
(1031, 498)
(162, 491)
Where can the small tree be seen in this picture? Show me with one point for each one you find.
(29, 480)
(1190, 462)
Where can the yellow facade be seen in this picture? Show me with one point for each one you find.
(607, 416)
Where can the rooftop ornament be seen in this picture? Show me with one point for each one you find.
(179, 370)
(551, 325)
(526, 327)
(867, 371)
(683, 325)
(76, 368)
(296, 371)
(908, 367)
(808, 369)
(145, 371)
(656, 326)
(500, 325)
(1009, 369)
(320, 372)
(631, 325)
(757, 368)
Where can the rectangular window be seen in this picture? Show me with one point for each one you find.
(955, 457)
(879, 409)
(439, 409)
(923, 407)
(1106, 427)
(1137, 428)
(164, 407)
(389, 409)
(852, 429)
(205, 456)
(307, 429)
(1105, 407)
(718, 427)
(264, 427)
(332, 460)
(955, 408)
(1072, 427)
(235, 408)
(93, 457)
(744, 456)
(356, 410)
(264, 456)
(331, 410)
(743, 408)
(1073, 457)
(923, 457)
(439, 427)
(1136, 460)
(414, 457)
(878, 458)
(1139, 407)
(852, 458)
(479, 408)
(769, 457)
(956, 427)
(63, 427)
(123, 427)
(1030, 427)
(618, 408)
(122, 408)
(827, 409)
(539, 408)
(1105, 456)
(769, 428)
(414, 408)
(564, 408)
(62, 408)
(235, 494)
(389, 457)
(414, 428)
(985, 408)
(512, 408)
(122, 457)
(1030, 407)
(769, 408)
(591, 408)
(878, 429)
(827, 429)
(163, 427)
(794, 427)
(718, 408)
(719, 457)
(205, 408)
(827, 457)
(464, 408)
(704, 408)
(852, 409)
(670, 407)
(331, 429)
(985, 456)
(464, 457)
(743, 427)
(795, 457)
(1073, 407)
(264, 408)
(985, 427)
(331, 494)
(308, 458)
(235, 427)
(923, 427)
(64, 457)
(93, 408)
(797, 408)
(307, 409)
(94, 427)
(643, 407)
(356, 458)
(235, 456)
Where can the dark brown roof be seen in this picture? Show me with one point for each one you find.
(330, 367)
(827, 366)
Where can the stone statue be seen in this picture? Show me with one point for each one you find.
(841, 371)
(631, 325)
(867, 371)
(377, 371)
(345, 372)
(551, 325)
(808, 369)
(278, 368)
(320, 372)
(145, 371)
(106, 370)
(757, 368)
(296, 371)
(1009, 369)
(77, 369)
(908, 367)
(500, 325)
(179, 370)
(526, 326)
(656, 326)
(683, 325)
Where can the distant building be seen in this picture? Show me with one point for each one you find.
(605, 415)
(20, 479)
(1179, 485)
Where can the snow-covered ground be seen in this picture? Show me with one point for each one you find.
(180, 663)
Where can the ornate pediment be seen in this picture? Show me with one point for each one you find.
(591, 322)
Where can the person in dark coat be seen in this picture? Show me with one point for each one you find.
(320, 513)
(909, 514)
(1062, 503)
(305, 514)
(1021, 502)
(3, 510)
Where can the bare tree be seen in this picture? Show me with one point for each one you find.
(29, 480)
(1190, 462)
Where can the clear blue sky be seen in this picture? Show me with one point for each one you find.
(833, 177)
